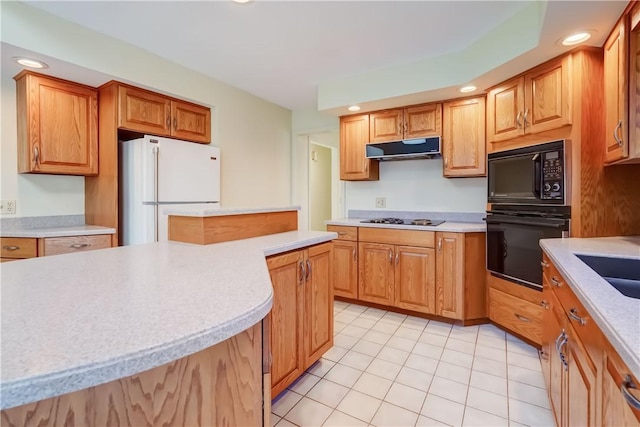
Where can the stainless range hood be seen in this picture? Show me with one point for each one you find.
(406, 149)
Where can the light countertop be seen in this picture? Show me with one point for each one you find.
(42, 232)
(77, 320)
(617, 315)
(455, 227)
(209, 209)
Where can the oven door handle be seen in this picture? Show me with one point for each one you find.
(554, 224)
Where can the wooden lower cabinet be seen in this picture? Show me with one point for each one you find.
(414, 279)
(28, 247)
(345, 268)
(376, 273)
(615, 409)
(302, 314)
(581, 376)
(449, 278)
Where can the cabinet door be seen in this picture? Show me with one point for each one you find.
(57, 126)
(144, 111)
(318, 303)
(580, 408)
(547, 94)
(505, 106)
(463, 138)
(450, 275)
(615, 409)
(191, 122)
(634, 83)
(422, 121)
(553, 334)
(615, 94)
(550, 330)
(354, 136)
(415, 279)
(386, 126)
(376, 273)
(345, 269)
(287, 278)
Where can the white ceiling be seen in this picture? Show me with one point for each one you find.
(283, 50)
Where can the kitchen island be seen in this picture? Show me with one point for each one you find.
(77, 321)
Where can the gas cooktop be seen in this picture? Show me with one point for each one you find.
(423, 222)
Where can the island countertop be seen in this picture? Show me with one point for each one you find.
(73, 321)
(44, 232)
(213, 209)
(617, 315)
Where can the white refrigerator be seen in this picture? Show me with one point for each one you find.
(158, 173)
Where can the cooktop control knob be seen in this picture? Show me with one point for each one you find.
(547, 187)
(556, 186)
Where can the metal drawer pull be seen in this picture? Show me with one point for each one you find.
(563, 358)
(308, 270)
(628, 383)
(524, 319)
(397, 257)
(556, 282)
(615, 133)
(342, 233)
(79, 245)
(544, 264)
(573, 313)
(354, 255)
(302, 273)
(518, 124)
(544, 304)
(390, 257)
(11, 248)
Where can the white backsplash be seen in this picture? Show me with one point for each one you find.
(418, 185)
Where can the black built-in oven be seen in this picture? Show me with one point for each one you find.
(533, 175)
(513, 240)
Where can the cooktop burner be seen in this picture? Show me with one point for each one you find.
(423, 222)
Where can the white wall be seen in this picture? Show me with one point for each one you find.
(254, 135)
(319, 186)
(418, 185)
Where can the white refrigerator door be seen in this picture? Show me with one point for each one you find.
(187, 172)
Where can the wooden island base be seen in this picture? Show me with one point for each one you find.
(221, 385)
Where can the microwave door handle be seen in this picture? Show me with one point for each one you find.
(536, 182)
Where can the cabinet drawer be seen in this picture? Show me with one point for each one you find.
(18, 247)
(515, 314)
(65, 245)
(344, 232)
(425, 239)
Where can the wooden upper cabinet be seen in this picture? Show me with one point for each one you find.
(422, 121)
(450, 274)
(148, 112)
(634, 84)
(463, 138)
(354, 136)
(386, 126)
(57, 126)
(405, 123)
(538, 101)
(615, 94)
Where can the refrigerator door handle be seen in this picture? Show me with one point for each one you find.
(155, 192)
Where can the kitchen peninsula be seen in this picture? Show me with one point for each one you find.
(132, 332)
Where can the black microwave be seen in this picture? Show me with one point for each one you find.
(530, 175)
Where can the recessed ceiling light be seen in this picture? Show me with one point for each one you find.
(576, 38)
(31, 63)
(354, 108)
(466, 89)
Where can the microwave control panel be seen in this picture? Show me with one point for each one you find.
(552, 175)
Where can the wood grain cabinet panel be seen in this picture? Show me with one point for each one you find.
(422, 121)
(414, 281)
(144, 111)
(463, 138)
(376, 275)
(71, 244)
(540, 100)
(516, 314)
(354, 136)
(302, 314)
(615, 410)
(634, 84)
(191, 122)
(386, 126)
(450, 275)
(615, 94)
(345, 268)
(18, 247)
(57, 126)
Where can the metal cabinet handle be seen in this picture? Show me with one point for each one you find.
(526, 113)
(573, 313)
(390, 257)
(302, 273)
(544, 304)
(522, 318)
(308, 270)
(544, 264)
(406, 128)
(80, 245)
(36, 155)
(563, 357)
(615, 133)
(168, 122)
(446, 162)
(175, 123)
(628, 383)
(518, 124)
(366, 166)
(354, 254)
(439, 244)
(342, 233)
(11, 248)
(556, 282)
(397, 257)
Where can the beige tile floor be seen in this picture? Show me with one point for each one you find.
(388, 369)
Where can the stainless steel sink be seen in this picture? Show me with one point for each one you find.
(621, 273)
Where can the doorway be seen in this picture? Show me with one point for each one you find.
(319, 186)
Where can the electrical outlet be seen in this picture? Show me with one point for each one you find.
(8, 206)
(381, 202)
